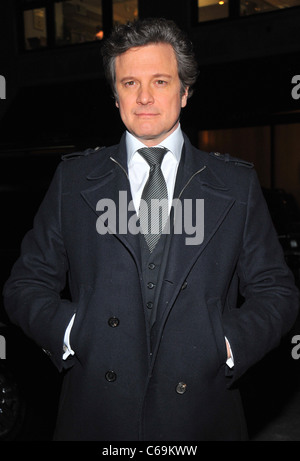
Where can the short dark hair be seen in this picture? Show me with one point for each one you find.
(146, 32)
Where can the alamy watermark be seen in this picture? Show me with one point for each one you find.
(296, 349)
(188, 217)
(2, 87)
(2, 347)
(296, 88)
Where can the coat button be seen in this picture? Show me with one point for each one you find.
(149, 305)
(113, 322)
(150, 285)
(151, 266)
(181, 388)
(110, 376)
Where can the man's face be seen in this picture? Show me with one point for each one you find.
(148, 89)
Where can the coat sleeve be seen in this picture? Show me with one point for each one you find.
(271, 299)
(32, 294)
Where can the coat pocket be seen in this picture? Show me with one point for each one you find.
(80, 315)
(214, 306)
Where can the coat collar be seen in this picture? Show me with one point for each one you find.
(195, 160)
(105, 165)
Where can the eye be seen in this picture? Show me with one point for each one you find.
(129, 83)
(161, 82)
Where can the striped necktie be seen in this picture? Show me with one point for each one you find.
(153, 211)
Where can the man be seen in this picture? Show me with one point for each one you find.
(152, 342)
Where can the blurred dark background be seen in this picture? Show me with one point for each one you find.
(56, 101)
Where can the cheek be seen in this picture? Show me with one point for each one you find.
(124, 105)
(121, 105)
(176, 103)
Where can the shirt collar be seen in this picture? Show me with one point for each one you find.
(173, 143)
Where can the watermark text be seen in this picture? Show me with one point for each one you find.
(121, 219)
(296, 88)
(2, 87)
(2, 347)
(296, 348)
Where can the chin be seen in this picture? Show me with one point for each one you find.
(146, 134)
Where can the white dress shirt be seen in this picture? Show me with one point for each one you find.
(138, 168)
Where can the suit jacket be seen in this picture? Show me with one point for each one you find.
(116, 387)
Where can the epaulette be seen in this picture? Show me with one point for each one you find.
(229, 158)
(83, 153)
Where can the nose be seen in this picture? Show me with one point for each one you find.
(144, 95)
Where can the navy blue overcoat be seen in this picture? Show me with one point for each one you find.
(116, 387)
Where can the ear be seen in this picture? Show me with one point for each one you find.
(117, 103)
(184, 97)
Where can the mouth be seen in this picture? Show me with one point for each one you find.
(146, 114)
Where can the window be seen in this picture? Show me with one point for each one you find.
(78, 21)
(208, 10)
(248, 7)
(124, 10)
(35, 28)
(51, 23)
(212, 9)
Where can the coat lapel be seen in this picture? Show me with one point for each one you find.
(110, 187)
(198, 182)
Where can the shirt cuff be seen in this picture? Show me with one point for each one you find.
(67, 347)
(229, 362)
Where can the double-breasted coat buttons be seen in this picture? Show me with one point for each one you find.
(113, 322)
(181, 388)
(110, 375)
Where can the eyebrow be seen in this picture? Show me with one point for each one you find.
(158, 75)
(162, 75)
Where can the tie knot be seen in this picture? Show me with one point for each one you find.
(153, 155)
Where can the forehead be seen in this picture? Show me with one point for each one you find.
(149, 59)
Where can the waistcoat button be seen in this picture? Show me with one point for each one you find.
(110, 376)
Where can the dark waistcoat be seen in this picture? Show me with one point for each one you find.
(153, 264)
